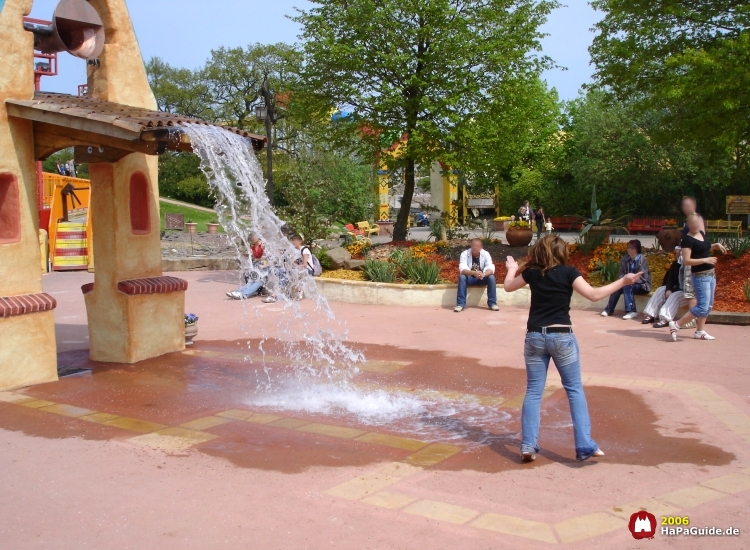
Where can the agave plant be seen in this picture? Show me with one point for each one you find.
(596, 219)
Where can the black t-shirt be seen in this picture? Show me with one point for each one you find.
(700, 250)
(550, 295)
(475, 263)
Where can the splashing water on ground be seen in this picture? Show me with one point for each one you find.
(323, 363)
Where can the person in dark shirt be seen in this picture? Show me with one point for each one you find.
(549, 335)
(696, 253)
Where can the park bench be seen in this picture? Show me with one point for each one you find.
(723, 226)
(569, 223)
(646, 225)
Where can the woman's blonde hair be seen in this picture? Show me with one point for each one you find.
(548, 252)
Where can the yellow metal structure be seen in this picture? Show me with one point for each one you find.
(70, 243)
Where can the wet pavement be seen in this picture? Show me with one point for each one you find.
(186, 451)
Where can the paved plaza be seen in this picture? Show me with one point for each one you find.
(172, 452)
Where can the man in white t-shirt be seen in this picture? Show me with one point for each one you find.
(476, 269)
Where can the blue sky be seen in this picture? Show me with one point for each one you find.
(183, 32)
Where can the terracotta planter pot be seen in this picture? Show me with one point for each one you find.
(213, 228)
(500, 226)
(386, 228)
(669, 238)
(191, 227)
(191, 331)
(518, 237)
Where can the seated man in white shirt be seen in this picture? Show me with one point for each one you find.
(476, 269)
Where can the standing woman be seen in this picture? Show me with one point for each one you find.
(696, 254)
(540, 220)
(549, 335)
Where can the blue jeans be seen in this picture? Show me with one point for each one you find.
(251, 288)
(704, 289)
(470, 280)
(629, 292)
(563, 348)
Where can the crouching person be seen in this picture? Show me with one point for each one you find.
(476, 269)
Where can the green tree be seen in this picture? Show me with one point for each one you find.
(413, 68)
(318, 188)
(180, 91)
(688, 61)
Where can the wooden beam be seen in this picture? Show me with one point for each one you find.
(90, 154)
(72, 121)
(49, 139)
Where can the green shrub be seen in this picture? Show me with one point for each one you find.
(324, 259)
(736, 245)
(608, 271)
(746, 288)
(380, 272)
(420, 272)
(590, 242)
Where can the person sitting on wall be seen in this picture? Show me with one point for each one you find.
(476, 269)
(632, 262)
(256, 277)
(667, 299)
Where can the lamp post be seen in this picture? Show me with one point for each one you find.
(265, 113)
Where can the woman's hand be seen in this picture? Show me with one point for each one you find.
(720, 247)
(511, 263)
(711, 261)
(631, 278)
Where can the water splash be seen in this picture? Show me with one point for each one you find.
(323, 365)
(316, 343)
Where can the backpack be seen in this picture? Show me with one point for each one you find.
(317, 268)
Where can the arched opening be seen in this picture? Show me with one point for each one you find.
(10, 209)
(140, 213)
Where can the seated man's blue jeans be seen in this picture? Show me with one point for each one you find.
(629, 292)
(251, 288)
(470, 280)
(563, 348)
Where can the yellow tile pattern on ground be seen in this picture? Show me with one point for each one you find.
(135, 425)
(738, 423)
(610, 381)
(641, 383)
(657, 508)
(205, 423)
(17, 398)
(235, 414)
(332, 431)
(720, 407)
(590, 525)
(392, 441)
(442, 511)
(99, 417)
(385, 367)
(692, 496)
(259, 418)
(288, 423)
(702, 393)
(371, 482)
(68, 410)
(518, 527)
(202, 353)
(732, 483)
(679, 386)
(432, 454)
(386, 499)
(172, 439)
(37, 403)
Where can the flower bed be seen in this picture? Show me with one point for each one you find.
(732, 273)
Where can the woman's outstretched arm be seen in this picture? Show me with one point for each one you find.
(511, 281)
(594, 294)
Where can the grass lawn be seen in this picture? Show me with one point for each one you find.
(198, 216)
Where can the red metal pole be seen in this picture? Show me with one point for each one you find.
(39, 167)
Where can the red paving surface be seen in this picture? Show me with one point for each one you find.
(69, 483)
